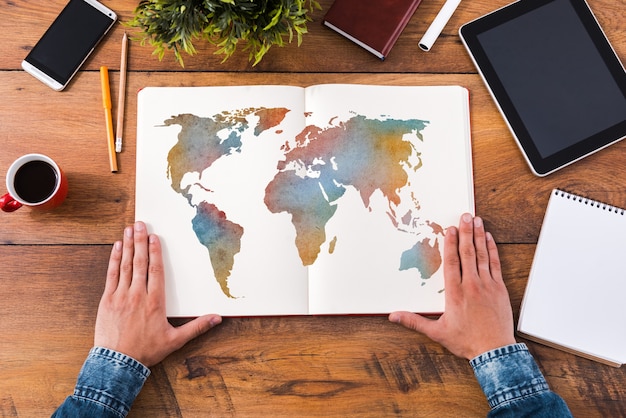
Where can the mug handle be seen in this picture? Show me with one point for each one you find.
(8, 204)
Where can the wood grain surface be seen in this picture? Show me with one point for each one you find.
(53, 263)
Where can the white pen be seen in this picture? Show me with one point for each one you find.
(435, 28)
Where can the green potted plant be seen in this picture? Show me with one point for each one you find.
(259, 24)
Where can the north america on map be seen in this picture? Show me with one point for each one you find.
(312, 176)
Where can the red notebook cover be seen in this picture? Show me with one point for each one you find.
(373, 24)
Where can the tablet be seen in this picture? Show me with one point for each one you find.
(554, 76)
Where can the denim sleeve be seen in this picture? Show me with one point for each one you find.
(514, 386)
(107, 386)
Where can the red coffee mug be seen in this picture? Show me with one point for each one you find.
(36, 181)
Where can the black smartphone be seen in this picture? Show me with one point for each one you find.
(67, 43)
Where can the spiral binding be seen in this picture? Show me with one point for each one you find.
(587, 201)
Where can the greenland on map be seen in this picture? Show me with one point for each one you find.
(279, 200)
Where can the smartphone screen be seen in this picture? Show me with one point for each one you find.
(67, 43)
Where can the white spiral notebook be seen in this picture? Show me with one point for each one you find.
(575, 299)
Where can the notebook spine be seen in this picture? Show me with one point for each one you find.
(591, 202)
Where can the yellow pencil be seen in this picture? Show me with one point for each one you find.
(106, 102)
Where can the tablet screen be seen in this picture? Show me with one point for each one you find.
(555, 77)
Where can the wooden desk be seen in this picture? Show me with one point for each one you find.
(53, 264)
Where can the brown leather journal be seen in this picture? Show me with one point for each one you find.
(373, 24)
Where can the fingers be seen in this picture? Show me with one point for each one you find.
(132, 265)
(156, 275)
(113, 269)
(467, 251)
(494, 259)
(140, 257)
(473, 248)
(451, 260)
(480, 245)
(126, 264)
(195, 328)
(415, 322)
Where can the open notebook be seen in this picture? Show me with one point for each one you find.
(283, 200)
(574, 298)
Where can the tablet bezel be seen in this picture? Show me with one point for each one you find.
(541, 166)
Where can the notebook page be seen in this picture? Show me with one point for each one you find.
(575, 292)
(204, 158)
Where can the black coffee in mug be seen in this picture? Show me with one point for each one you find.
(35, 181)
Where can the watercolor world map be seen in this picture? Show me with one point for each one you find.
(312, 176)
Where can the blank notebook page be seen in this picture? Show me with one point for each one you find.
(576, 292)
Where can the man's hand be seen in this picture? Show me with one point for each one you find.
(478, 315)
(131, 315)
